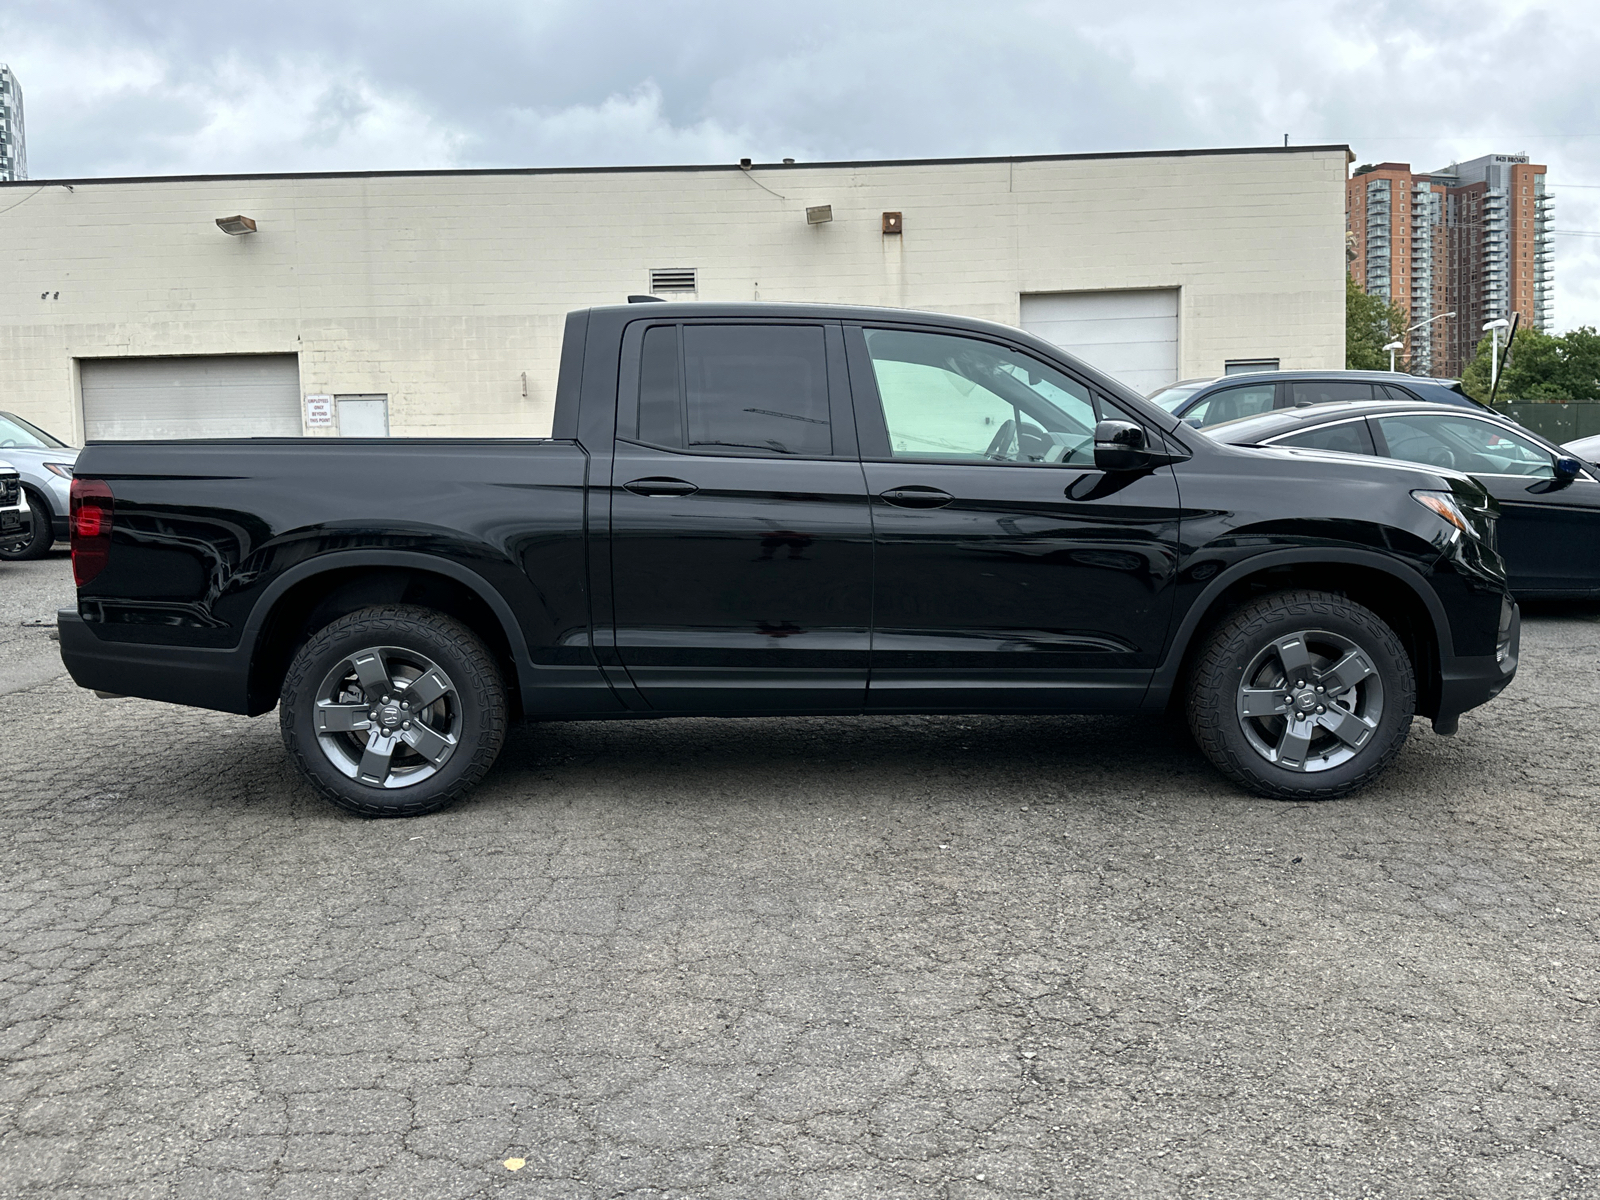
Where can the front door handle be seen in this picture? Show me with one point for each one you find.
(661, 486)
(917, 496)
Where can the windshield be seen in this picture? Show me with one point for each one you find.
(1172, 398)
(14, 431)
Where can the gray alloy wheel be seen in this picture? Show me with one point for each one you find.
(1310, 701)
(1301, 695)
(388, 717)
(393, 711)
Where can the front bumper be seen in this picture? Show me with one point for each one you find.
(1465, 683)
(16, 525)
(202, 677)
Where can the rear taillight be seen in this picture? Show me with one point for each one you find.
(91, 528)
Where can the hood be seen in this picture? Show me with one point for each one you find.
(1357, 464)
(1394, 471)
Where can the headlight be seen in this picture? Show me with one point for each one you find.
(1444, 504)
(62, 469)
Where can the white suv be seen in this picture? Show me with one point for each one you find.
(16, 522)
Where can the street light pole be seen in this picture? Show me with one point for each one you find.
(1429, 321)
(1419, 325)
(1391, 348)
(1494, 327)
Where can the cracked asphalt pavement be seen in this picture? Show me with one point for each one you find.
(892, 957)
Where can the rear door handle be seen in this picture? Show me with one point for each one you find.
(661, 486)
(917, 497)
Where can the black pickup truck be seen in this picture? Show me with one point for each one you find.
(758, 509)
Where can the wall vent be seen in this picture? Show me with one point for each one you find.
(673, 279)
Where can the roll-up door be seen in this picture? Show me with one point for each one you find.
(1131, 336)
(216, 396)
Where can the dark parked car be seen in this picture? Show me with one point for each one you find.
(755, 509)
(1549, 499)
(1203, 403)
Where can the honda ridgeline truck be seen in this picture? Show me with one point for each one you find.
(762, 509)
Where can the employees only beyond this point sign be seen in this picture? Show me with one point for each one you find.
(319, 412)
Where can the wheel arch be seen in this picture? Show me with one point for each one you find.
(308, 597)
(1398, 595)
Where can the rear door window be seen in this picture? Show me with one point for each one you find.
(1232, 403)
(1347, 437)
(736, 389)
(1327, 391)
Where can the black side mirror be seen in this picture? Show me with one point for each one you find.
(1121, 446)
(1567, 469)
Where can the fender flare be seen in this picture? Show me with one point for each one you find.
(410, 559)
(1166, 675)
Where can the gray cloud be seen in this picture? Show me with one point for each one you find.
(115, 88)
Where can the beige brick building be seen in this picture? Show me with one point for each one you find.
(435, 299)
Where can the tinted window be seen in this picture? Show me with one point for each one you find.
(1232, 403)
(1390, 392)
(1347, 437)
(660, 388)
(953, 397)
(1478, 447)
(759, 389)
(1324, 391)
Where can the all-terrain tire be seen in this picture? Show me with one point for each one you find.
(1216, 701)
(475, 706)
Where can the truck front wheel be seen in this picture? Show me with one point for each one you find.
(1302, 696)
(393, 711)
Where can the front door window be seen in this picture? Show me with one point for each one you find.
(1465, 444)
(956, 399)
(1230, 404)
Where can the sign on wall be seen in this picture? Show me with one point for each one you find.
(319, 412)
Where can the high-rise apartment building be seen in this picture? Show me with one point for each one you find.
(13, 142)
(1473, 239)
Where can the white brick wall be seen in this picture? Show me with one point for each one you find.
(441, 290)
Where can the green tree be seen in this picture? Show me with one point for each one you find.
(1541, 366)
(1370, 324)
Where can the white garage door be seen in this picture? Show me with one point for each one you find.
(221, 396)
(1131, 336)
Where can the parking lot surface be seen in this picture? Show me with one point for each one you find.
(890, 957)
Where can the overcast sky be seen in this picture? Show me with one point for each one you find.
(179, 86)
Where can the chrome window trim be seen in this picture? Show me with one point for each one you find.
(1432, 410)
(1550, 448)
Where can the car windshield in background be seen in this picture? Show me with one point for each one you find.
(14, 431)
(1172, 398)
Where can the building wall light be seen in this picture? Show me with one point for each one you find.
(821, 214)
(237, 226)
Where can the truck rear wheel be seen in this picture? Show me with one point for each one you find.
(1302, 696)
(393, 711)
